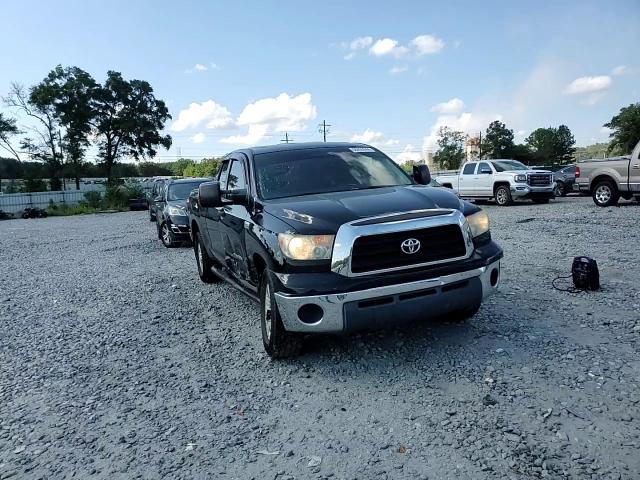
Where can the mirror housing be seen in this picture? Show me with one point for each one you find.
(209, 195)
(421, 174)
(236, 197)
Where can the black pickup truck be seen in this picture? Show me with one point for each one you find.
(334, 237)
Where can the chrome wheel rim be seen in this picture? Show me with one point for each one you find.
(603, 194)
(501, 197)
(558, 191)
(267, 312)
(166, 238)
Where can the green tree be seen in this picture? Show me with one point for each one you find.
(450, 153)
(551, 145)
(178, 167)
(497, 141)
(625, 128)
(128, 120)
(152, 169)
(8, 129)
(45, 143)
(207, 167)
(408, 166)
(597, 150)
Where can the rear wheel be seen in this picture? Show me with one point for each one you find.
(277, 342)
(605, 194)
(503, 196)
(205, 264)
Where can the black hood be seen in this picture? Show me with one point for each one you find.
(177, 203)
(327, 211)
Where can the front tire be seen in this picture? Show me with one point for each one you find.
(560, 190)
(503, 196)
(205, 264)
(166, 236)
(278, 343)
(605, 194)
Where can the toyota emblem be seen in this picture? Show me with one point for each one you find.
(410, 245)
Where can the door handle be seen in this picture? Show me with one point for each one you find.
(636, 165)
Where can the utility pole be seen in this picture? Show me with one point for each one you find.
(286, 138)
(323, 128)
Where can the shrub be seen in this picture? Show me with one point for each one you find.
(93, 199)
(116, 197)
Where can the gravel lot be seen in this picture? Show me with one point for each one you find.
(116, 362)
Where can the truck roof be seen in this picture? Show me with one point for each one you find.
(286, 147)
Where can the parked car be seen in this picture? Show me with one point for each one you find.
(608, 179)
(172, 220)
(155, 196)
(564, 178)
(502, 180)
(335, 237)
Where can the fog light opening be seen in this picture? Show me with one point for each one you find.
(310, 313)
(494, 277)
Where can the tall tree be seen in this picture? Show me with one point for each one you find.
(8, 129)
(625, 128)
(46, 143)
(498, 141)
(450, 153)
(128, 120)
(73, 90)
(551, 145)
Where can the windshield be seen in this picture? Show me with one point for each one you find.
(324, 170)
(181, 191)
(508, 165)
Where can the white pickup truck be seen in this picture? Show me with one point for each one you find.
(502, 180)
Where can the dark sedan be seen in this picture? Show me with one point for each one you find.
(565, 178)
(172, 220)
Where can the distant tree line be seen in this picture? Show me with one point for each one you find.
(543, 146)
(31, 173)
(68, 112)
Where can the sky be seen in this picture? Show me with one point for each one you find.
(386, 73)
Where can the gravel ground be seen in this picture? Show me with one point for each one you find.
(116, 362)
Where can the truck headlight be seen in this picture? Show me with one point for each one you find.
(520, 178)
(479, 223)
(306, 247)
(177, 211)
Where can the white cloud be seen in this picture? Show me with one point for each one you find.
(214, 114)
(467, 122)
(360, 43)
(350, 56)
(398, 69)
(254, 135)
(588, 84)
(427, 44)
(200, 67)
(454, 105)
(198, 138)
(370, 137)
(387, 46)
(410, 153)
(620, 70)
(277, 114)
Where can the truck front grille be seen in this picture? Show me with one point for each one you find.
(384, 251)
(539, 179)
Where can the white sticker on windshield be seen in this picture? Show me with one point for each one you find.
(361, 149)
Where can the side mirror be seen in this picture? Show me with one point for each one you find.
(209, 195)
(237, 197)
(421, 174)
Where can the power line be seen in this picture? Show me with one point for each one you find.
(286, 138)
(323, 128)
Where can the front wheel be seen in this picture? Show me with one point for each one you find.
(277, 342)
(205, 264)
(166, 236)
(605, 194)
(503, 196)
(560, 190)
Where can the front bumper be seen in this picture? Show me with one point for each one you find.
(179, 225)
(388, 304)
(524, 191)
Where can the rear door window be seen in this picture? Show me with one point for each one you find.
(469, 168)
